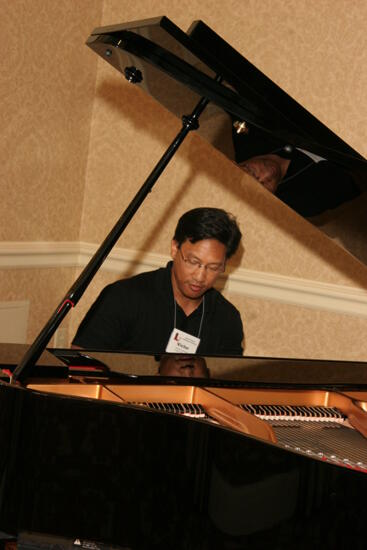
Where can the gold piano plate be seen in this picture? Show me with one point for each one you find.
(317, 398)
(331, 438)
(359, 398)
(154, 398)
(90, 391)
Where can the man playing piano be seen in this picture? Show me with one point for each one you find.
(173, 309)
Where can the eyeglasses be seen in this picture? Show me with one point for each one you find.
(193, 263)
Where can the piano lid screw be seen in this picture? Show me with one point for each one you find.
(241, 127)
(108, 53)
(133, 75)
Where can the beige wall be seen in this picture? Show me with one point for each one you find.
(75, 153)
(46, 98)
(46, 91)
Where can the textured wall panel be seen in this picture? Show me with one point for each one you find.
(46, 97)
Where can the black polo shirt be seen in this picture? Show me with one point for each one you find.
(137, 315)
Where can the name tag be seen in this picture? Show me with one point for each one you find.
(182, 342)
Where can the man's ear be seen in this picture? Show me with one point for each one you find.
(174, 248)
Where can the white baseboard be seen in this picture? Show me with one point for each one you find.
(268, 286)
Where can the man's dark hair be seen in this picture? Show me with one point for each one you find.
(209, 223)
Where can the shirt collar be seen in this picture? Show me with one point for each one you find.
(167, 289)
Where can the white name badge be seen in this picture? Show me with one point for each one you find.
(182, 342)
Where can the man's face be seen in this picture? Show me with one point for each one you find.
(183, 365)
(196, 266)
(266, 169)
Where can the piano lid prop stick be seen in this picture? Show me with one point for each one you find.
(189, 122)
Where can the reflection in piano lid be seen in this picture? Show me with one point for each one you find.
(248, 115)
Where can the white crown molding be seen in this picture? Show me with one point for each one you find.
(300, 292)
(37, 254)
(254, 284)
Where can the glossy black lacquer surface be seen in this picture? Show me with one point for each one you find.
(176, 68)
(147, 480)
(222, 371)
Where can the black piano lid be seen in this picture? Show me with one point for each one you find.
(48, 365)
(177, 68)
(138, 368)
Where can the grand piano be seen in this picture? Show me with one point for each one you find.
(109, 450)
